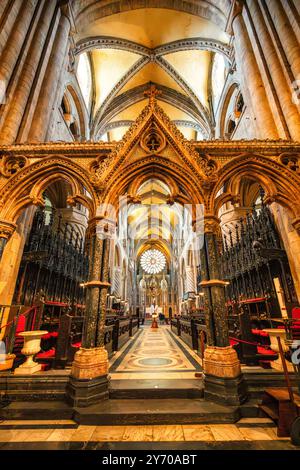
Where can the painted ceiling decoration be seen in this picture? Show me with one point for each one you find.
(176, 51)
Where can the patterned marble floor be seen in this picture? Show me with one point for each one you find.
(155, 354)
(246, 434)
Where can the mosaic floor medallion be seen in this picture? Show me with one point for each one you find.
(159, 352)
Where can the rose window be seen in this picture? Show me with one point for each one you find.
(153, 261)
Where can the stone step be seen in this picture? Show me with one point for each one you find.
(38, 424)
(159, 389)
(156, 411)
(36, 410)
(256, 422)
(40, 386)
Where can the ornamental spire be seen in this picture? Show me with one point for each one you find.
(152, 94)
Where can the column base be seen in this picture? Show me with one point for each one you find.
(86, 392)
(89, 381)
(223, 380)
(232, 392)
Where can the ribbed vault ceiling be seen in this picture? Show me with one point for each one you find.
(126, 51)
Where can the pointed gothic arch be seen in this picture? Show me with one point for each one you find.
(270, 174)
(27, 186)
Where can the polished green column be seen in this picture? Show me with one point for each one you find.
(223, 380)
(89, 379)
(213, 286)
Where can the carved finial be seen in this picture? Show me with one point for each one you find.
(152, 93)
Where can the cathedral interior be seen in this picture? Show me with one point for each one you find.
(149, 224)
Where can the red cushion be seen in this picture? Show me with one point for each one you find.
(255, 331)
(77, 345)
(264, 333)
(46, 354)
(52, 334)
(295, 326)
(260, 332)
(262, 350)
(296, 312)
(21, 324)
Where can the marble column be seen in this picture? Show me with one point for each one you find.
(15, 108)
(223, 379)
(43, 111)
(213, 286)
(282, 88)
(251, 82)
(89, 375)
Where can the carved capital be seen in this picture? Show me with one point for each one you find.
(6, 229)
(211, 224)
(101, 226)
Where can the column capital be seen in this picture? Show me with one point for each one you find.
(102, 226)
(235, 10)
(6, 229)
(208, 223)
(211, 224)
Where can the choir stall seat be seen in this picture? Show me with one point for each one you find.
(69, 340)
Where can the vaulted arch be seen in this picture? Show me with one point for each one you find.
(270, 174)
(28, 185)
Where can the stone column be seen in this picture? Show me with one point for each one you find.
(281, 87)
(6, 231)
(231, 217)
(15, 108)
(43, 111)
(290, 234)
(89, 375)
(16, 40)
(13, 238)
(223, 380)
(190, 279)
(252, 85)
(287, 36)
(117, 282)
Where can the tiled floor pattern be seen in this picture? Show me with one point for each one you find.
(155, 353)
